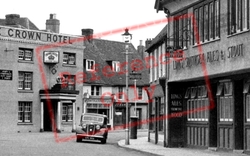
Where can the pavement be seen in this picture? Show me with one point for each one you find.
(142, 144)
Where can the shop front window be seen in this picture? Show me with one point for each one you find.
(197, 103)
(224, 92)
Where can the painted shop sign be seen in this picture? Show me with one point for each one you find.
(123, 105)
(176, 105)
(106, 101)
(209, 57)
(5, 74)
(96, 105)
(34, 35)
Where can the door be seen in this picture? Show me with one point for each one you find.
(49, 116)
(120, 118)
(139, 115)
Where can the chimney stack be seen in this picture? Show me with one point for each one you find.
(88, 33)
(141, 49)
(12, 19)
(148, 42)
(53, 24)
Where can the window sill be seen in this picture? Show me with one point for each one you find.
(25, 91)
(69, 65)
(88, 70)
(238, 33)
(23, 123)
(225, 123)
(25, 61)
(206, 42)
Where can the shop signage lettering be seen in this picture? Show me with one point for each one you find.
(34, 35)
(176, 105)
(99, 100)
(5, 74)
(122, 105)
(209, 57)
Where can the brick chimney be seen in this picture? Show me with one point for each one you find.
(88, 33)
(53, 24)
(147, 43)
(141, 49)
(12, 19)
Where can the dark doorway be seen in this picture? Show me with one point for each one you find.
(120, 117)
(139, 114)
(47, 116)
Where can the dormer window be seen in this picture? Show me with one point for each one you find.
(115, 66)
(89, 65)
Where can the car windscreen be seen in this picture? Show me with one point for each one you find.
(92, 118)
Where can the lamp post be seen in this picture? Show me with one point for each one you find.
(127, 38)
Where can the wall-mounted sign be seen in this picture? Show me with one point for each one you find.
(5, 74)
(122, 105)
(209, 57)
(35, 35)
(51, 57)
(176, 131)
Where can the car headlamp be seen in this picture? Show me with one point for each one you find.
(97, 127)
(84, 126)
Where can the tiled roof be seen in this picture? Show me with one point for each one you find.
(160, 37)
(103, 51)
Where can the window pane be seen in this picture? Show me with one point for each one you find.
(70, 113)
(188, 108)
(24, 111)
(65, 58)
(97, 90)
(244, 14)
(201, 24)
(248, 108)
(120, 91)
(221, 109)
(239, 10)
(72, 59)
(28, 55)
(180, 32)
(231, 110)
(20, 116)
(139, 92)
(217, 24)
(211, 20)
(207, 109)
(92, 90)
(21, 54)
(196, 30)
(206, 22)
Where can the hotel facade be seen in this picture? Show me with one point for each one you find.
(38, 76)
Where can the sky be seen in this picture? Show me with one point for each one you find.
(99, 15)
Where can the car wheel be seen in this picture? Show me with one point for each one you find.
(103, 141)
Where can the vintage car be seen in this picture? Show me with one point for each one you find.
(92, 127)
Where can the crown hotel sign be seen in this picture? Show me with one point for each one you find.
(50, 57)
